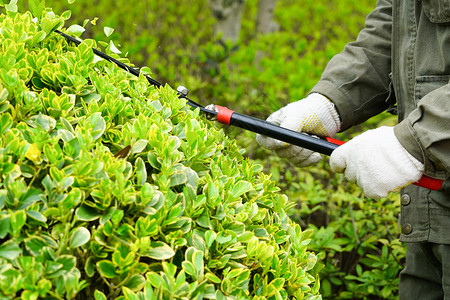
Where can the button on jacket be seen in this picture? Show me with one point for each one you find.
(403, 56)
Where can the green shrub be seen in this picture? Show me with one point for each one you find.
(111, 188)
(175, 39)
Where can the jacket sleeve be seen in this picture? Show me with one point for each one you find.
(425, 132)
(357, 79)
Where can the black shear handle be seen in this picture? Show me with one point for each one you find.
(325, 146)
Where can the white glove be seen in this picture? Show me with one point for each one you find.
(314, 115)
(377, 162)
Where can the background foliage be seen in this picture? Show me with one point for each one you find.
(259, 74)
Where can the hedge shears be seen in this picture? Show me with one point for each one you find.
(229, 117)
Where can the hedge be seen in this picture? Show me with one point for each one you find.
(112, 188)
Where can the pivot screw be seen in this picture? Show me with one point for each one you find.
(183, 90)
(211, 116)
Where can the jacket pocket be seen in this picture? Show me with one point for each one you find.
(427, 84)
(438, 11)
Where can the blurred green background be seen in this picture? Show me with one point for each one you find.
(256, 75)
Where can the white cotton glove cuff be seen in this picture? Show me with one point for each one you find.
(377, 162)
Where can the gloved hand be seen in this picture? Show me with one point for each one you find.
(377, 162)
(314, 115)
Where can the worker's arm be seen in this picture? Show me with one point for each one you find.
(357, 79)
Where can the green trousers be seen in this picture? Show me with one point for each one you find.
(427, 272)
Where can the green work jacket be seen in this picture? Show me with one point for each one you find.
(403, 56)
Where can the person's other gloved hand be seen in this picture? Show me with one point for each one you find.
(314, 115)
(377, 162)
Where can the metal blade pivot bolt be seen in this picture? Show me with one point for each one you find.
(211, 117)
(182, 90)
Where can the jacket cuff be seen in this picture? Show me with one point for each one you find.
(407, 138)
(338, 98)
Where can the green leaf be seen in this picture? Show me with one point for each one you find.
(177, 179)
(113, 48)
(106, 269)
(10, 250)
(43, 121)
(79, 237)
(66, 15)
(38, 37)
(146, 71)
(210, 237)
(108, 30)
(117, 216)
(199, 243)
(50, 24)
(223, 238)
(220, 295)
(213, 191)
(35, 244)
(37, 216)
(139, 146)
(29, 295)
(233, 273)
(89, 267)
(169, 269)
(17, 221)
(94, 97)
(36, 7)
(153, 160)
(261, 232)
(32, 196)
(3, 198)
(87, 213)
(4, 225)
(98, 295)
(154, 279)
(141, 171)
(213, 278)
(12, 6)
(188, 267)
(136, 282)
(278, 283)
(66, 135)
(129, 294)
(148, 291)
(311, 261)
(98, 124)
(197, 260)
(240, 188)
(6, 121)
(159, 251)
(67, 125)
(75, 30)
(245, 237)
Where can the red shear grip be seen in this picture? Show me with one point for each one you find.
(429, 183)
(224, 114)
(334, 141)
